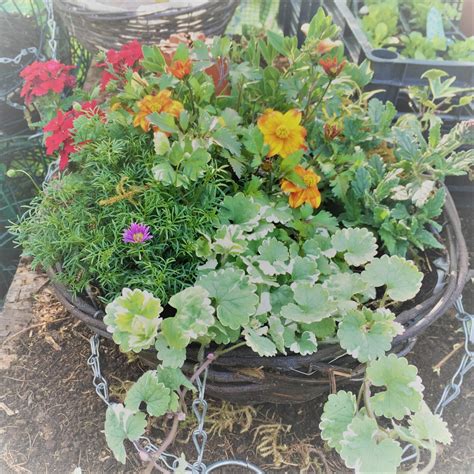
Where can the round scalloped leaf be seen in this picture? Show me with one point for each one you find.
(363, 450)
(133, 319)
(367, 334)
(235, 297)
(339, 410)
(304, 344)
(194, 315)
(273, 257)
(343, 287)
(259, 343)
(424, 425)
(149, 390)
(403, 388)
(305, 268)
(173, 378)
(358, 245)
(313, 304)
(229, 240)
(169, 356)
(122, 424)
(239, 209)
(401, 277)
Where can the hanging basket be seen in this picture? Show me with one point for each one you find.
(105, 24)
(242, 376)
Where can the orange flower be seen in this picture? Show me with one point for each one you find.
(180, 69)
(326, 45)
(331, 66)
(299, 196)
(161, 102)
(282, 132)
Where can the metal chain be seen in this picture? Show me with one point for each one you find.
(453, 388)
(199, 434)
(24, 52)
(99, 382)
(53, 44)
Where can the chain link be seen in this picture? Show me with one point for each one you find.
(53, 44)
(453, 388)
(98, 380)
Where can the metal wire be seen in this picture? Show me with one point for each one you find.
(453, 388)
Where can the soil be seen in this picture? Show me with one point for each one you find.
(51, 419)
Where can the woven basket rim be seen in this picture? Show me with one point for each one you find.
(415, 319)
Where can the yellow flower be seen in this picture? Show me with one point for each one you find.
(299, 196)
(161, 102)
(282, 132)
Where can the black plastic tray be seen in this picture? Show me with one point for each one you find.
(391, 72)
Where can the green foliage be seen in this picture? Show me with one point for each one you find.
(367, 335)
(364, 442)
(363, 451)
(133, 319)
(338, 413)
(70, 223)
(380, 23)
(121, 424)
(403, 389)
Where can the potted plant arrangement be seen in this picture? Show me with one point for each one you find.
(233, 205)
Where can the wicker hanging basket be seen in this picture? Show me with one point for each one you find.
(242, 376)
(105, 24)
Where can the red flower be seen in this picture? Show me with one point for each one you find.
(180, 69)
(61, 128)
(331, 66)
(126, 57)
(43, 77)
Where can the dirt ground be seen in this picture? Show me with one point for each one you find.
(51, 418)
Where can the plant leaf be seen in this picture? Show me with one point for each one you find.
(403, 388)
(122, 424)
(169, 356)
(363, 451)
(258, 343)
(424, 425)
(234, 296)
(367, 334)
(149, 390)
(194, 315)
(313, 304)
(358, 244)
(400, 277)
(339, 411)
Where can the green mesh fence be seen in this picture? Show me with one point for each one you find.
(25, 34)
(253, 17)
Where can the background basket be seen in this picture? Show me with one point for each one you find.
(105, 24)
(242, 376)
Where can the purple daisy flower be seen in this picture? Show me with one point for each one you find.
(136, 233)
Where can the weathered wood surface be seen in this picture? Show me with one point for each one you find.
(18, 309)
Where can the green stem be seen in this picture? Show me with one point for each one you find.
(315, 107)
(367, 405)
(191, 96)
(30, 178)
(220, 352)
(383, 300)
